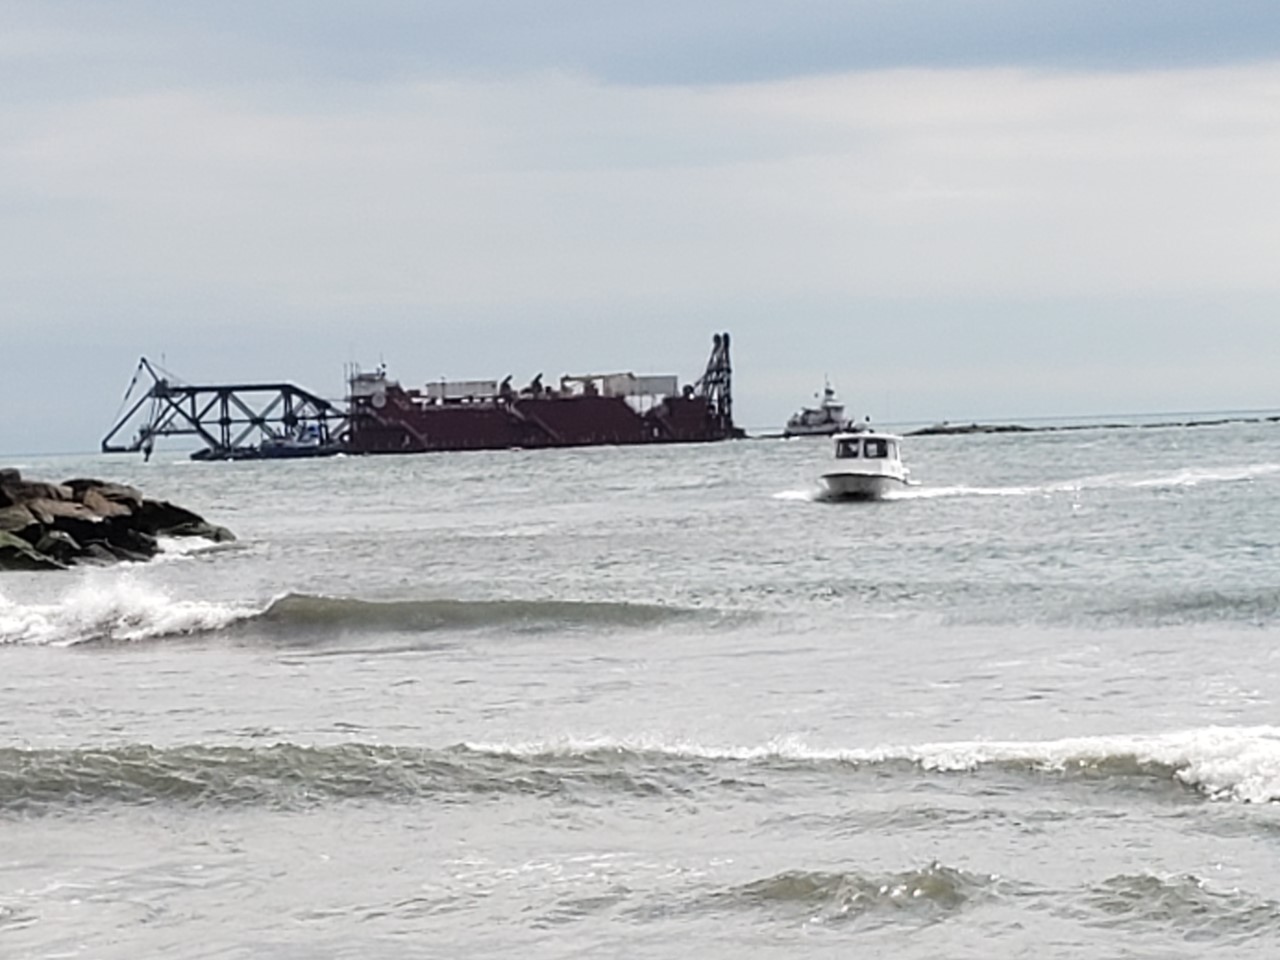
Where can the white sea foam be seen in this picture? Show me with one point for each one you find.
(182, 548)
(1189, 477)
(1226, 763)
(803, 495)
(929, 493)
(115, 608)
(1223, 474)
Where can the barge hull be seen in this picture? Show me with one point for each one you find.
(384, 417)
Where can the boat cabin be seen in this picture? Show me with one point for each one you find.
(867, 447)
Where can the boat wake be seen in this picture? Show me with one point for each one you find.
(809, 495)
(1110, 481)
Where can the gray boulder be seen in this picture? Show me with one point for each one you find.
(17, 554)
(48, 526)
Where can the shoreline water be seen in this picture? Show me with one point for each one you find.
(618, 698)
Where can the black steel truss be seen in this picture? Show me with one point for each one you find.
(716, 384)
(227, 417)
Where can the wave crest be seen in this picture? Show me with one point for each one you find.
(123, 610)
(288, 776)
(300, 612)
(928, 892)
(1238, 765)
(117, 610)
(1184, 903)
(1221, 763)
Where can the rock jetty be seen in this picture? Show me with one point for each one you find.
(51, 526)
(947, 429)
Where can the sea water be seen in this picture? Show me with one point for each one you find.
(661, 702)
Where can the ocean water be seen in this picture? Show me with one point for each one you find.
(661, 702)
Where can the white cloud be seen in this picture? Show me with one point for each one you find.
(553, 201)
(552, 188)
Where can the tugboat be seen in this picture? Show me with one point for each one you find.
(824, 420)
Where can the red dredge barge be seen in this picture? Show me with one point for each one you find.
(584, 410)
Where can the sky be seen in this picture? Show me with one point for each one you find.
(955, 209)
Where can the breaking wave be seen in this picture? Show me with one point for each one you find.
(122, 610)
(119, 610)
(1221, 763)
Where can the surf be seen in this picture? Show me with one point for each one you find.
(1239, 764)
(123, 610)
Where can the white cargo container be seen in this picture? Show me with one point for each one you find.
(441, 390)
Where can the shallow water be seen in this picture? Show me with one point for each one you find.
(661, 702)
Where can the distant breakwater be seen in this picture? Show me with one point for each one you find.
(960, 429)
(946, 428)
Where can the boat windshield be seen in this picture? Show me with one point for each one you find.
(846, 449)
(875, 449)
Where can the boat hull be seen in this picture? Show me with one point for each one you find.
(270, 452)
(828, 429)
(860, 486)
(402, 426)
(584, 411)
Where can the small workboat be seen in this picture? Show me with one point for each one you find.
(305, 440)
(868, 466)
(825, 419)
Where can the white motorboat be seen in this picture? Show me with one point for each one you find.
(869, 466)
(825, 419)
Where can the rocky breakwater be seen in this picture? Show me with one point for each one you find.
(51, 526)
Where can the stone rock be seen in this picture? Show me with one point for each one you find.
(129, 543)
(103, 506)
(161, 516)
(59, 545)
(8, 476)
(209, 531)
(118, 493)
(49, 526)
(16, 517)
(20, 491)
(48, 511)
(98, 555)
(18, 554)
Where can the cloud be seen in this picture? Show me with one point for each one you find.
(558, 189)
(662, 42)
(202, 183)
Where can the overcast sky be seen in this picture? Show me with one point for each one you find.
(955, 209)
